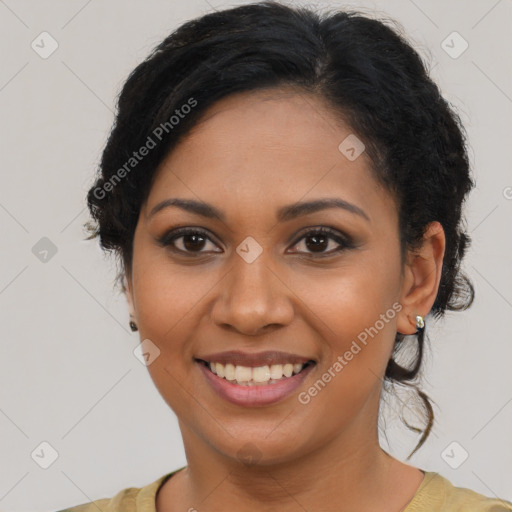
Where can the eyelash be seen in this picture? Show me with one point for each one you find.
(168, 239)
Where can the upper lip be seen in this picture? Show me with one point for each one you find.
(269, 357)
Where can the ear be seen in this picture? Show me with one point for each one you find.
(422, 275)
(128, 291)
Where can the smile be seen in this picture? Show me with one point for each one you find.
(254, 386)
(255, 376)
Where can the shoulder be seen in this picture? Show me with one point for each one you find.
(131, 499)
(437, 494)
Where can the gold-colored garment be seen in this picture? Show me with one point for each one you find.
(435, 494)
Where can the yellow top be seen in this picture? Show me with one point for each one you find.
(435, 494)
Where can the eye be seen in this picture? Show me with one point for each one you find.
(187, 240)
(318, 240)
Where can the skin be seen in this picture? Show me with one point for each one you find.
(251, 154)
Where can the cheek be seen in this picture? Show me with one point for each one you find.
(347, 301)
(170, 306)
(166, 300)
(165, 293)
(354, 312)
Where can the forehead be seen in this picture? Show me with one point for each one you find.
(269, 147)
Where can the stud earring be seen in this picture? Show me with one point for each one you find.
(420, 322)
(133, 326)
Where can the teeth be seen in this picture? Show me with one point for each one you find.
(297, 368)
(260, 374)
(229, 371)
(220, 369)
(249, 376)
(243, 373)
(276, 371)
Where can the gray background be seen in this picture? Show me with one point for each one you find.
(68, 373)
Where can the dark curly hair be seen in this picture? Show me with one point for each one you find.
(362, 68)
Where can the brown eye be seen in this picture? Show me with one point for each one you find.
(322, 241)
(188, 240)
(193, 242)
(317, 242)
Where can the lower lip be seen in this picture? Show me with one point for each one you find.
(257, 395)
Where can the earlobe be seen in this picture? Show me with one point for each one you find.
(127, 286)
(422, 276)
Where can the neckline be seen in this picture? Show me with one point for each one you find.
(146, 501)
(430, 476)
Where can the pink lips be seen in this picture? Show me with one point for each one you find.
(253, 396)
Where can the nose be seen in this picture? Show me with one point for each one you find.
(254, 298)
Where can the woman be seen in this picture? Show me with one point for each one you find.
(285, 191)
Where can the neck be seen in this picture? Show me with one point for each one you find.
(339, 475)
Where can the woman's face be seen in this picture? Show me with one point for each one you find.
(261, 278)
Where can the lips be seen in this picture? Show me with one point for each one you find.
(251, 393)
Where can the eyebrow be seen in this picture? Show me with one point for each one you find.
(284, 214)
(304, 208)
